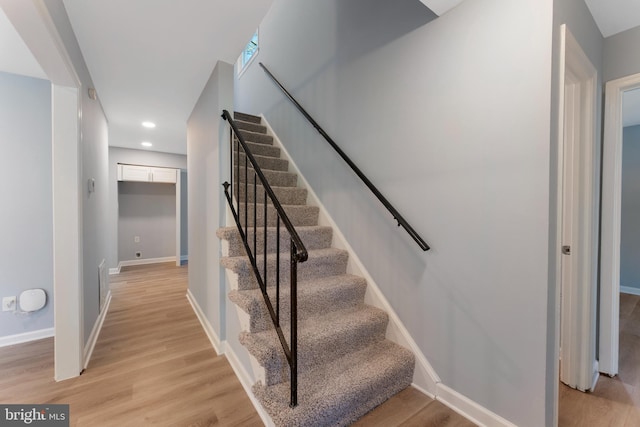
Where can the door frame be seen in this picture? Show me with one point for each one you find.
(32, 21)
(611, 219)
(577, 307)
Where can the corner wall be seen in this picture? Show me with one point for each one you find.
(207, 166)
(26, 226)
(450, 120)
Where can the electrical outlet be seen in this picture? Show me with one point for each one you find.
(136, 239)
(9, 304)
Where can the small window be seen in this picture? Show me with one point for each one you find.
(249, 52)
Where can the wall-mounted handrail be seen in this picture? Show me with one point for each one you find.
(396, 215)
(298, 252)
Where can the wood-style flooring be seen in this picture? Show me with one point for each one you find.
(154, 366)
(615, 402)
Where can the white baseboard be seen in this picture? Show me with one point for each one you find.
(470, 409)
(245, 380)
(145, 261)
(630, 290)
(218, 345)
(26, 337)
(113, 271)
(95, 332)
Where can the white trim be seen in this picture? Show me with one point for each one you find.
(178, 216)
(145, 261)
(425, 377)
(611, 217)
(113, 271)
(95, 332)
(470, 409)
(26, 337)
(245, 380)
(218, 345)
(629, 290)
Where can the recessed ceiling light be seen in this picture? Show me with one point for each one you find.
(147, 144)
(148, 124)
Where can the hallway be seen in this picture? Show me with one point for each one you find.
(152, 365)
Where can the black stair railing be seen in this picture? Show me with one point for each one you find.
(396, 215)
(246, 218)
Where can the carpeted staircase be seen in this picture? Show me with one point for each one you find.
(346, 367)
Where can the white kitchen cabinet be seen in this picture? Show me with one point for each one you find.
(146, 174)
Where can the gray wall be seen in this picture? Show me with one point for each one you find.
(135, 157)
(94, 147)
(630, 209)
(621, 54)
(206, 158)
(451, 121)
(146, 210)
(580, 22)
(26, 224)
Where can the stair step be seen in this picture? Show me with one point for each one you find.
(320, 338)
(315, 296)
(258, 138)
(313, 237)
(285, 195)
(321, 262)
(264, 150)
(251, 127)
(274, 178)
(340, 391)
(237, 115)
(269, 163)
(299, 215)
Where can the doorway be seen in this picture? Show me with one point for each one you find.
(611, 222)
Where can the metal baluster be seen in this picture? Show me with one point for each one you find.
(231, 157)
(265, 239)
(294, 326)
(255, 218)
(246, 186)
(278, 271)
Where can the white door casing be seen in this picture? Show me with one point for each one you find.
(576, 318)
(611, 211)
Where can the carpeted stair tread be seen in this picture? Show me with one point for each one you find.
(268, 163)
(251, 127)
(246, 117)
(274, 178)
(315, 296)
(313, 237)
(339, 392)
(321, 262)
(299, 215)
(256, 137)
(320, 338)
(285, 195)
(263, 149)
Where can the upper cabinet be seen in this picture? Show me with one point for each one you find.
(146, 174)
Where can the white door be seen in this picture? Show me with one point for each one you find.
(576, 253)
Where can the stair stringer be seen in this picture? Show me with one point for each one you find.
(425, 377)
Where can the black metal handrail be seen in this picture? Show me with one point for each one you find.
(298, 252)
(396, 215)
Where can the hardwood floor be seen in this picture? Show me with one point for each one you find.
(615, 401)
(153, 365)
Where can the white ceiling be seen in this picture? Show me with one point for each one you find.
(440, 7)
(150, 59)
(615, 16)
(15, 56)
